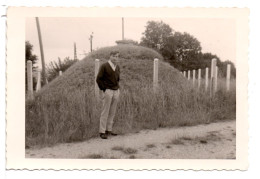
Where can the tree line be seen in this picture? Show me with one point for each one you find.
(181, 50)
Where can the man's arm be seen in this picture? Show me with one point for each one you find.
(118, 73)
(99, 79)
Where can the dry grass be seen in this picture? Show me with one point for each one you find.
(66, 110)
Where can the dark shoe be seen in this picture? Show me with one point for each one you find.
(103, 135)
(111, 133)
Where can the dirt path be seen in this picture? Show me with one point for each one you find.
(209, 141)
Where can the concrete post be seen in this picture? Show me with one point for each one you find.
(29, 80)
(207, 79)
(184, 74)
(228, 77)
(60, 73)
(96, 73)
(213, 74)
(193, 77)
(38, 86)
(155, 74)
(188, 74)
(199, 77)
(216, 80)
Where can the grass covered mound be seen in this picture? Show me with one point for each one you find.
(66, 109)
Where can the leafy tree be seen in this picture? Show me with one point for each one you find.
(54, 67)
(29, 56)
(183, 51)
(185, 45)
(156, 33)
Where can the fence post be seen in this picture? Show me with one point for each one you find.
(213, 76)
(193, 77)
(155, 74)
(96, 73)
(228, 76)
(184, 74)
(216, 80)
(188, 74)
(29, 80)
(199, 77)
(207, 79)
(38, 86)
(60, 73)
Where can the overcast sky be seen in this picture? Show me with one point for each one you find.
(216, 36)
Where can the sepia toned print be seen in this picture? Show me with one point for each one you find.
(134, 87)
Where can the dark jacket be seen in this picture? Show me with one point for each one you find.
(107, 78)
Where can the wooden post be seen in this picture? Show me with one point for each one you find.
(213, 76)
(60, 73)
(184, 74)
(96, 73)
(38, 86)
(29, 80)
(42, 53)
(123, 29)
(188, 74)
(216, 80)
(155, 74)
(193, 77)
(199, 78)
(207, 79)
(228, 77)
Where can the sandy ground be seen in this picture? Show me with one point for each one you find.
(208, 141)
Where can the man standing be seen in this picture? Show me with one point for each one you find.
(108, 82)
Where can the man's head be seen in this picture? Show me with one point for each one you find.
(114, 57)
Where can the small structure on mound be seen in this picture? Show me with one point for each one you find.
(126, 42)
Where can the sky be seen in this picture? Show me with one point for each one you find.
(217, 36)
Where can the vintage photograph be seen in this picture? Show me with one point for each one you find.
(126, 88)
(130, 88)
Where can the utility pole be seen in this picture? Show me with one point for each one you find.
(90, 39)
(75, 51)
(123, 29)
(41, 49)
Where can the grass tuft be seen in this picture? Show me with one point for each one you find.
(150, 146)
(185, 138)
(177, 142)
(92, 156)
(130, 151)
(118, 148)
(132, 157)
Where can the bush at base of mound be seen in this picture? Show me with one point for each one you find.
(66, 109)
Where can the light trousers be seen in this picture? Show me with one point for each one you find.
(110, 99)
